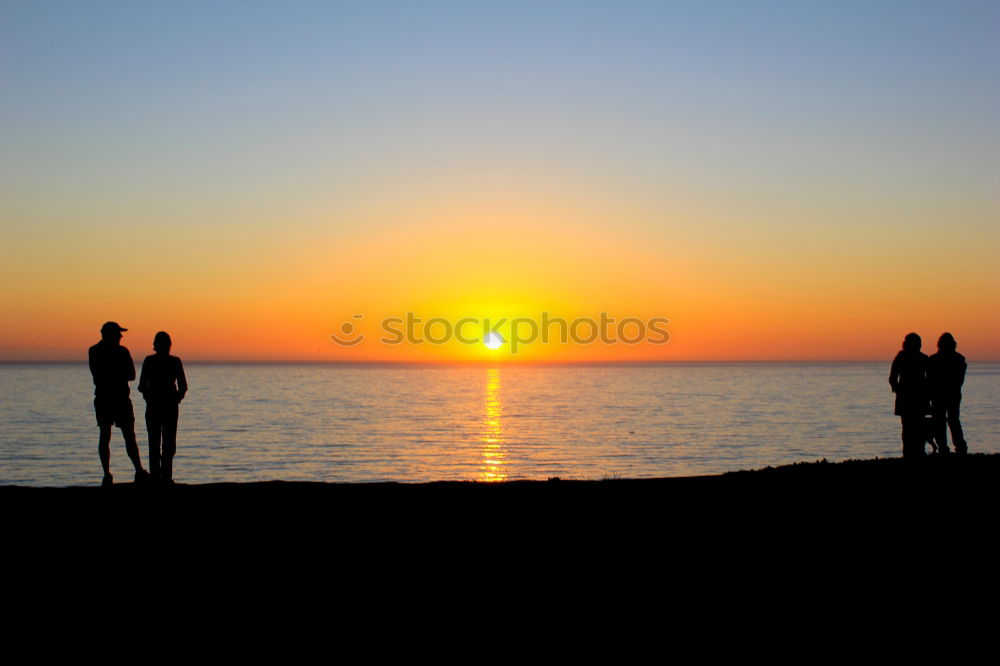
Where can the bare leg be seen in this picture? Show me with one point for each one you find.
(132, 448)
(104, 448)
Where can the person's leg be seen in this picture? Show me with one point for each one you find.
(125, 420)
(105, 421)
(153, 427)
(132, 447)
(911, 427)
(104, 449)
(169, 441)
(957, 436)
(914, 435)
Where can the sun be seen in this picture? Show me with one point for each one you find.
(493, 341)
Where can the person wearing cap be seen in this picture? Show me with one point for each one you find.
(163, 386)
(945, 376)
(112, 368)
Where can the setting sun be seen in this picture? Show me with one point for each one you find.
(493, 341)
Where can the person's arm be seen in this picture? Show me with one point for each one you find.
(143, 379)
(182, 385)
(894, 375)
(93, 365)
(130, 370)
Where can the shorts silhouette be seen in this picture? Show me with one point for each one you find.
(114, 412)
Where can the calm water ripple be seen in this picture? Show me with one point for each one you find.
(247, 422)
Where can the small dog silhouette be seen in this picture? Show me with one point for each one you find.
(929, 433)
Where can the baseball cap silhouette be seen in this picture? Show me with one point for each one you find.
(111, 327)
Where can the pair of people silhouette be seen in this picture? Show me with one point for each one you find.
(163, 386)
(929, 387)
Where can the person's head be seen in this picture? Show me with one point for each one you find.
(947, 342)
(911, 342)
(161, 343)
(112, 332)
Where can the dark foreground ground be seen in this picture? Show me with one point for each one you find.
(861, 533)
(863, 492)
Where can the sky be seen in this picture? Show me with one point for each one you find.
(780, 180)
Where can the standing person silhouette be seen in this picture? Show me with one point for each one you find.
(163, 385)
(945, 376)
(908, 379)
(112, 369)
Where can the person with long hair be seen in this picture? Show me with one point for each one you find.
(945, 376)
(908, 379)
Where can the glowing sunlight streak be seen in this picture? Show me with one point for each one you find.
(494, 463)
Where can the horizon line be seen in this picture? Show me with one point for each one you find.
(77, 361)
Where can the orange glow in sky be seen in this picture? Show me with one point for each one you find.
(779, 184)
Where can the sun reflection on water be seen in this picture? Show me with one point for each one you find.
(494, 464)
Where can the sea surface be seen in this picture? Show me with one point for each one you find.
(363, 423)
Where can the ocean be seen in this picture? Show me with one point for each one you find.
(365, 423)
